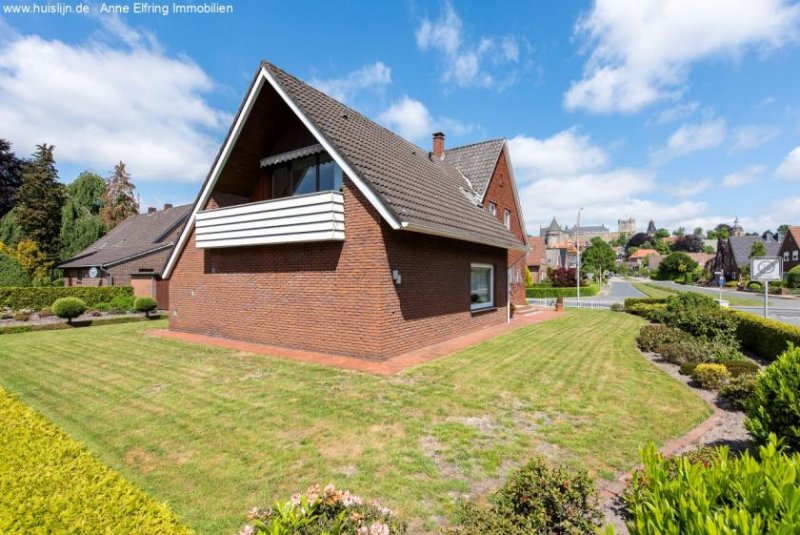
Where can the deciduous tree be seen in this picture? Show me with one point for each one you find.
(81, 224)
(119, 201)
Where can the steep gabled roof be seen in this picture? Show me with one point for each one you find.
(411, 190)
(477, 161)
(554, 226)
(742, 245)
(137, 236)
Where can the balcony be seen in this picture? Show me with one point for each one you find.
(304, 218)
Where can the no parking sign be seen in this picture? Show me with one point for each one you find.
(767, 268)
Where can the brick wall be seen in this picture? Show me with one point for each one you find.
(790, 246)
(336, 297)
(500, 191)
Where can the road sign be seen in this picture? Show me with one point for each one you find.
(721, 281)
(767, 268)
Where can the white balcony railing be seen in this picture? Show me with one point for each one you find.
(305, 218)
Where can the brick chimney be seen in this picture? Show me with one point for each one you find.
(151, 209)
(438, 146)
(167, 206)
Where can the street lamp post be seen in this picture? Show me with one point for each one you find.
(578, 248)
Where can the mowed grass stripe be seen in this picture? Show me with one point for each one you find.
(214, 432)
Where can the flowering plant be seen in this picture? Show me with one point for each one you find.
(329, 511)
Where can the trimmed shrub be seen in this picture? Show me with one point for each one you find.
(653, 337)
(701, 316)
(766, 337)
(617, 307)
(550, 291)
(121, 304)
(21, 315)
(716, 494)
(711, 376)
(743, 367)
(688, 368)
(793, 278)
(145, 304)
(52, 484)
(739, 390)
(650, 312)
(57, 326)
(631, 301)
(45, 312)
(535, 499)
(775, 404)
(69, 308)
(323, 512)
(39, 297)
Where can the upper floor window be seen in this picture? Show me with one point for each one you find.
(507, 219)
(309, 174)
(786, 256)
(795, 254)
(493, 209)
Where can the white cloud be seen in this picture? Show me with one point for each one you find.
(375, 76)
(745, 176)
(789, 169)
(411, 119)
(690, 188)
(692, 138)
(99, 104)
(642, 52)
(676, 113)
(567, 152)
(562, 173)
(465, 64)
(752, 136)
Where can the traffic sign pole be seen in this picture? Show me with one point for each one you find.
(766, 298)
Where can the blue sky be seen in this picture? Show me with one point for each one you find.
(651, 109)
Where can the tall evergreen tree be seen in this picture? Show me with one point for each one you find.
(119, 202)
(10, 177)
(81, 224)
(39, 201)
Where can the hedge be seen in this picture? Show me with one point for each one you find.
(17, 329)
(548, 291)
(40, 297)
(632, 301)
(766, 337)
(51, 484)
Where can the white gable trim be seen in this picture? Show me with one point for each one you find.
(258, 83)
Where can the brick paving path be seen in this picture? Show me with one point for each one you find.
(389, 366)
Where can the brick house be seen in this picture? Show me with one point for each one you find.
(132, 253)
(318, 229)
(790, 249)
(537, 259)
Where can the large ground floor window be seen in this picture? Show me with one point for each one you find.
(481, 286)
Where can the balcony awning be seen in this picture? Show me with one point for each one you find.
(291, 155)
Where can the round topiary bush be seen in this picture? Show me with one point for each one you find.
(711, 376)
(774, 406)
(68, 308)
(145, 304)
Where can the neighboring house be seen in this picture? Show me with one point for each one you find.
(790, 249)
(704, 260)
(537, 259)
(649, 258)
(733, 254)
(134, 252)
(321, 230)
(555, 258)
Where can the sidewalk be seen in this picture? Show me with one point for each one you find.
(389, 366)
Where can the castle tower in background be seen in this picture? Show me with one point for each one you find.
(626, 226)
(737, 230)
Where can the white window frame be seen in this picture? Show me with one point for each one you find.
(795, 255)
(493, 209)
(490, 303)
(507, 218)
(786, 256)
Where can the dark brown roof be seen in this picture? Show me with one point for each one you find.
(137, 236)
(417, 189)
(476, 161)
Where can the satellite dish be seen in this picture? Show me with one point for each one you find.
(93, 272)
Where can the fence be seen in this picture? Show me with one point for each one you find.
(585, 302)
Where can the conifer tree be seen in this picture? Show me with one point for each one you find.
(40, 200)
(10, 177)
(119, 202)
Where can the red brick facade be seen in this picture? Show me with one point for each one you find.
(337, 297)
(500, 191)
(790, 249)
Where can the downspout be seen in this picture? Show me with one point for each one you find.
(509, 270)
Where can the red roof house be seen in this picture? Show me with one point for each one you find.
(319, 229)
(790, 249)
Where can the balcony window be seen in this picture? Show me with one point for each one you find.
(309, 174)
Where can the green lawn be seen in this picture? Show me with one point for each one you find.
(659, 292)
(214, 432)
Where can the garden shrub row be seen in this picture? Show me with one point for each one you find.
(17, 329)
(633, 301)
(766, 337)
(554, 291)
(36, 298)
(51, 484)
